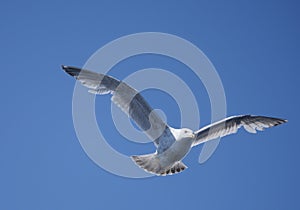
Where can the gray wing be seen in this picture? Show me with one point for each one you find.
(231, 125)
(128, 100)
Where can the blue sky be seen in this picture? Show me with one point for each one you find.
(253, 45)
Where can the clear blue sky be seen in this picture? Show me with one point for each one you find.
(254, 46)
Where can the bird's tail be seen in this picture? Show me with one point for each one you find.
(151, 164)
(176, 168)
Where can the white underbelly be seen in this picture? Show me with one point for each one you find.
(175, 153)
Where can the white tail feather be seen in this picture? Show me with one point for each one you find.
(151, 164)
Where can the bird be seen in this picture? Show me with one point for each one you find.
(172, 144)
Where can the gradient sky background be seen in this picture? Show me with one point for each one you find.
(254, 46)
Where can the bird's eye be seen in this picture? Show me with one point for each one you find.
(185, 131)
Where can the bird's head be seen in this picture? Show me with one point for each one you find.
(187, 133)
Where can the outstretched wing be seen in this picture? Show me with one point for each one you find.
(126, 98)
(231, 125)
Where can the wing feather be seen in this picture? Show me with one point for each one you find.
(126, 98)
(231, 125)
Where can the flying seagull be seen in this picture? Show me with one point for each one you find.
(172, 144)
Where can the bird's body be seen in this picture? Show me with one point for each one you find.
(169, 160)
(179, 149)
(172, 144)
(176, 152)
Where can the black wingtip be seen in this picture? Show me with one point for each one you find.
(73, 71)
(64, 67)
(281, 121)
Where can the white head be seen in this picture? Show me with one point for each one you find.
(186, 133)
(182, 133)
